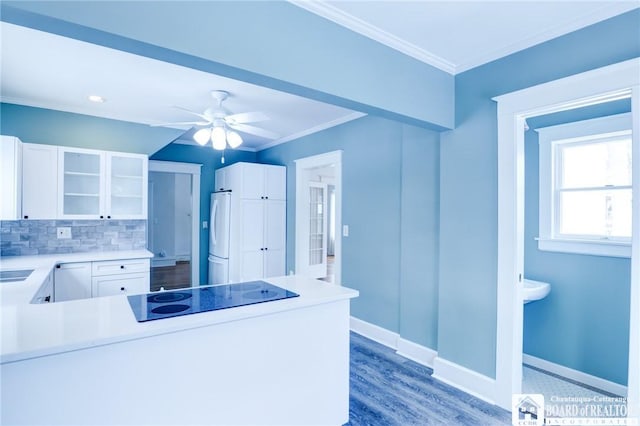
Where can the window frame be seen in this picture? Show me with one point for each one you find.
(550, 139)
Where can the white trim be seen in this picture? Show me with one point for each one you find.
(359, 26)
(334, 14)
(588, 247)
(415, 352)
(302, 164)
(595, 86)
(633, 383)
(466, 380)
(315, 129)
(194, 170)
(374, 332)
(575, 375)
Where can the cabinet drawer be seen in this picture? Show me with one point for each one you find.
(110, 285)
(125, 266)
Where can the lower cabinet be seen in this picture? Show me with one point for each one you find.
(72, 281)
(110, 285)
(105, 278)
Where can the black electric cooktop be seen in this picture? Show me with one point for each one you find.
(166, 304)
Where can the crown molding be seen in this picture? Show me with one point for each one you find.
(311, 130)
(359, 26)
(334, 14)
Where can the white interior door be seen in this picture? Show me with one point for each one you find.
(316, 259)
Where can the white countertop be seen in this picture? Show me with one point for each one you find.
(21, 292)
(34, 330)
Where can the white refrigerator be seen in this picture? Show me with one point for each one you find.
(219, 232)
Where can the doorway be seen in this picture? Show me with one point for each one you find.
(173, 224)
(589, 88)
(318, 216)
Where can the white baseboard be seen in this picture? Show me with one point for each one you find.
(415, 352)
(576, 375)
(375, 333)
(466, 380)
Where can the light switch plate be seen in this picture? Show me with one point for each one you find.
(345, 230)
(63, 232)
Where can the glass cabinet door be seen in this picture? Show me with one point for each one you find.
(126, 186)
(81, 180)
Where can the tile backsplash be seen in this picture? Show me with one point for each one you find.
(30, 237)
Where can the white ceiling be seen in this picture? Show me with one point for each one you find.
(59, 73)
(455, 35)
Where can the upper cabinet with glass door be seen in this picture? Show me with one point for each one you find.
(101, 185)
(127, 186)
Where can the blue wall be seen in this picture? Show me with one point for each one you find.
(210, 161)
(45, 126)
(564, 328)
(373, 199)
(468, 179)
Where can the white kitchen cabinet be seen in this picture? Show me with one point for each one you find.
(128, 276)
(101, 185)
(126, 190)
(110, 285)
(10, 178)
(72, 281)
(39, 181)
(253, 181)
(263, 237)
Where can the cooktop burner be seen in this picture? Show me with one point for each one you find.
(166, 304)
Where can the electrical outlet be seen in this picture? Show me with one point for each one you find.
(345, 230)
(205, 224)
(63, 232)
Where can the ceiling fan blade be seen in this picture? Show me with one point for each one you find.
(181, 123)
(246, 117)
(254, 130)
(197, 114)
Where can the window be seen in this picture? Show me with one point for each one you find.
(585, 187)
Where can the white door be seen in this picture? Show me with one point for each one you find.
(72, 281)
(316, 259)
(252, 240)
(275, 238)
(39, 181)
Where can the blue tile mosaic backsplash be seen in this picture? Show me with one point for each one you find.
(31, 237)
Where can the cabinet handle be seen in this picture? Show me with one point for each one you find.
(47, 299)
(266, 248)
(101, 217)
(122, 289)
(26, 217)
(121, 266)
(261, 249)
(57, 266)
(108, 217)
(266, 198)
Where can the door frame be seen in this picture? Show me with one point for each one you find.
(194, 170)
(333, 158)
(591, 87)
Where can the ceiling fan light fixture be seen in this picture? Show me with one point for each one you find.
(202, 136)
(219, 138)
(234, 139)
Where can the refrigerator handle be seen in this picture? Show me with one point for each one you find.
(214, 209)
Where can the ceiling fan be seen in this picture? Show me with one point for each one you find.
(220, 125)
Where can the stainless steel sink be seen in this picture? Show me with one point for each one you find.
(13, 276)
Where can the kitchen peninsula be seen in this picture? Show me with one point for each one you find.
(89, 361)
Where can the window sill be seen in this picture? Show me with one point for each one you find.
(589, 247)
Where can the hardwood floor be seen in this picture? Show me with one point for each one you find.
(387, 389)
(171, 277)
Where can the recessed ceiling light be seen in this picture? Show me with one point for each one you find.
(96, 98)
